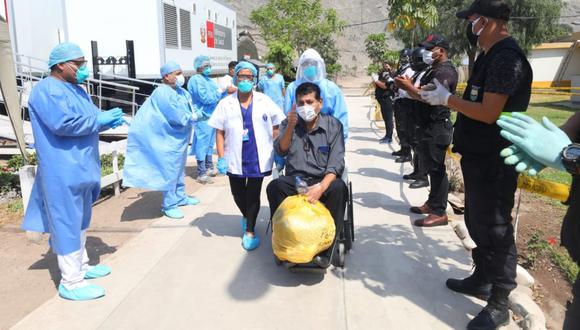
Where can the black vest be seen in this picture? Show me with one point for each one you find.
(478, 138)
(432, 113)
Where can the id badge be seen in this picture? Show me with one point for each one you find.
(245, 135)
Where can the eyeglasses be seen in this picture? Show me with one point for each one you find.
(306, 146)
(245, 77)
(79, 64)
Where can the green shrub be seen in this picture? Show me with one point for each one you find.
(8, 181)
(107, 163)
(17, 161)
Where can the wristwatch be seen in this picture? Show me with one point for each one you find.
(571, 158)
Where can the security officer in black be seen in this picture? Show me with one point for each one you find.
(402, 106)
(500, 82)
(384, 93)
(412, 131)
(435, 129)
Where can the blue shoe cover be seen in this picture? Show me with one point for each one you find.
(190, 201)
(250, 243)
(88, 292)
(244, 224)
(174, 213)
(97, 271)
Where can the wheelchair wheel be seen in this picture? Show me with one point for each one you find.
(341, 255)
(349, 225)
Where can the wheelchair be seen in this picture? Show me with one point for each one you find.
(343, 241)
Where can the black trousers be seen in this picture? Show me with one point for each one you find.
(571, 240)
(334, 198)
(402, 109)
(414, 136)
(489, 198)
(246, 192)
(435, 139)
(387, 111)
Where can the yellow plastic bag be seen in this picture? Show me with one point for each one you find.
(301, 230)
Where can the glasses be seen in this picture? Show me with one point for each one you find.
(79, 64)
(306, 146)
(245, 77)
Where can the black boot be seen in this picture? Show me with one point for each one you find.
(397, 153)
(403, 159)
(419, 183)
(412, 176)
(471, 286)
(495, 314)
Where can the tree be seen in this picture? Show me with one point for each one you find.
(282, 54)
(300, 24)
(409, 18)
(376, 47)
(528, 32)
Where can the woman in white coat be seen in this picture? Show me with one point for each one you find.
(246, 124)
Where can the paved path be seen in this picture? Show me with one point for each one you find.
(194, 274)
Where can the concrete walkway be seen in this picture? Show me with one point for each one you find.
(194, 274)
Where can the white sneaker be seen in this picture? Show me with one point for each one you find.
(204, 179)
(213, 173)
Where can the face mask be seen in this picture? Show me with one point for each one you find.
(207, 71)
(307, 112)
(82, 74)
(245, 86)
(471, 37)
(270, 72)
(428, 57)
(311, 72)
(180, 80)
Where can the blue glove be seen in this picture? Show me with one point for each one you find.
(110, 117)
(222, 165)
(196, 115)
(542, 142)
(280, 161)
(523, 162)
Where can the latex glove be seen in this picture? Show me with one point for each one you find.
(314, 193)
(196, 115)
(523, 162)
(542, 142)
(439, 96)
(222, 165)
(109, 117)
(375, 77)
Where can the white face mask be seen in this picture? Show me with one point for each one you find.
(473, 25)
(306, 112)
(428, 57)
(180, 80)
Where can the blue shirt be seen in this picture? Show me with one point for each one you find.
(273, 87)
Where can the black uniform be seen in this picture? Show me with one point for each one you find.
(414, 133)
(435, 136)
(402, 107)
(385, 99)
(571, 240)
(489, 183)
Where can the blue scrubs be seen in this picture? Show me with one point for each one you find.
(273, 87)
(68, 177)
(157, 145)
(205, 96)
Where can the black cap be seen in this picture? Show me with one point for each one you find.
(434, 40)
(488, 8)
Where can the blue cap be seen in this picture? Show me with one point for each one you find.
(244, 65)
(270, 65)
(63, 53)
(169, 67)
(200, 61)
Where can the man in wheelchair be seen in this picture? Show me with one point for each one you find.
(313, 145)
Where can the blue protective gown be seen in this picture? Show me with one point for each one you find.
(332, 97)
(205, 95)
(157, 141)
(68, 178)
(273, 87)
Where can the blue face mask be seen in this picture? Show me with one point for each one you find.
(82, 74)
(245, 86)
(207, 71)
(311, 72)
(270, 72)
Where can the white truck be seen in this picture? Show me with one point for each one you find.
(160, 30)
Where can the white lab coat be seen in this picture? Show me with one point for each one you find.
(228, 118)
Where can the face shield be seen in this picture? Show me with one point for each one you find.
(311, 67)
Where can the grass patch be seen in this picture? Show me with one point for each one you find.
(553, 175)
(545, 106)
(538, 247)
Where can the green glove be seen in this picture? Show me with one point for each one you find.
(541, 142)
(523, 162)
